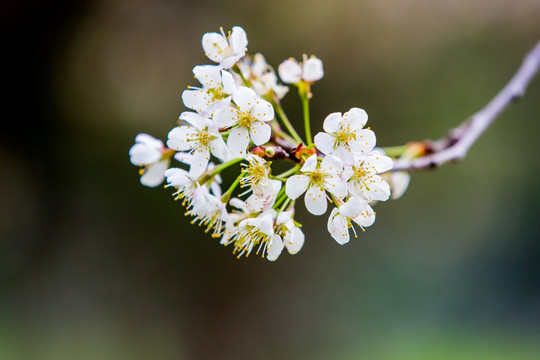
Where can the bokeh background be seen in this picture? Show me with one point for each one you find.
(95, 266)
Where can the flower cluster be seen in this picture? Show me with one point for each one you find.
(235, 120)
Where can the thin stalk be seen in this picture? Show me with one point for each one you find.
(285, 120)
(307, 125)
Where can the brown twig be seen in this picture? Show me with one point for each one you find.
(455, 146)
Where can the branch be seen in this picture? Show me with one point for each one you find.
(455, 146)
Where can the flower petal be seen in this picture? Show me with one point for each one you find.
(324, 142)
(262, 110)
(364, 143)
(310, 164)
(295, 242)
(244, 97)
(238, 41)
(335, 185)
(315, 200)
(155, 174)
(296, 185)
(180, 138)
(331, 165)
(228, 82)
(195, 99)
(312, 69)
(290, 71)
(275, 247)
(332, 123)
(218, 148)
(260, 133)
(214, 44)
(238, 141)
(225, 117)
(338, 227)
(208, 75)
(200, 160)
(356, 117)
(194, 119)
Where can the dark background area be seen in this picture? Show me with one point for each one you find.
(95, 266)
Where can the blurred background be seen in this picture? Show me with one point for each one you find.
(93, 265)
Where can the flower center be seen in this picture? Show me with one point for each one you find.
(245, 119)
(343, 137)
(317, 177)
(217, 94)
(204, 137)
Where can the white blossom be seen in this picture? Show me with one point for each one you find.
(317, 178)
(217, 88)
(253, 232)
(261, 76)
(292, 236)
(339, 222)
(247, 121)
(362, 177)
(292, 72)
(398, 182)
(344, 135)
(225, 50)
(201, 137)
(147, 152)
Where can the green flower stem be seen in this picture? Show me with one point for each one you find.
(226, 197)
(203, 179)
(276, 129)
(286, 122)
(280, 198)
(304, 92)
(289, 172)
(237, 70)
(285, 204)
(394, 151)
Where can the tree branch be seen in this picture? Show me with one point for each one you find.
(455, 146)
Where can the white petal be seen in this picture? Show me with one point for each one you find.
(377, 163)
(377, 188)
(364, 143)
(228, 82)
(356, 117)
(238, 141)
(335, 185)
(238, 41)
(352, 208)
(195, 99)
(180, 138)
(218, 147)
(324, 142)
(225, 117)
(332, 123)
(208, 75)
(194, 119)
(399, 183)
(338, 227)
(310, 164)
(214, 45)
(296, 185)
(331, 165)
(312, 69)
(295, 242)
(155, 174)
(177, 177)
(275, 247)
(367, 217)
(260, 133)
(244, 97)
(200, 160)
(290, 71)
(315, 200)
(141, 154)
(263, 110)
(184, 157)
